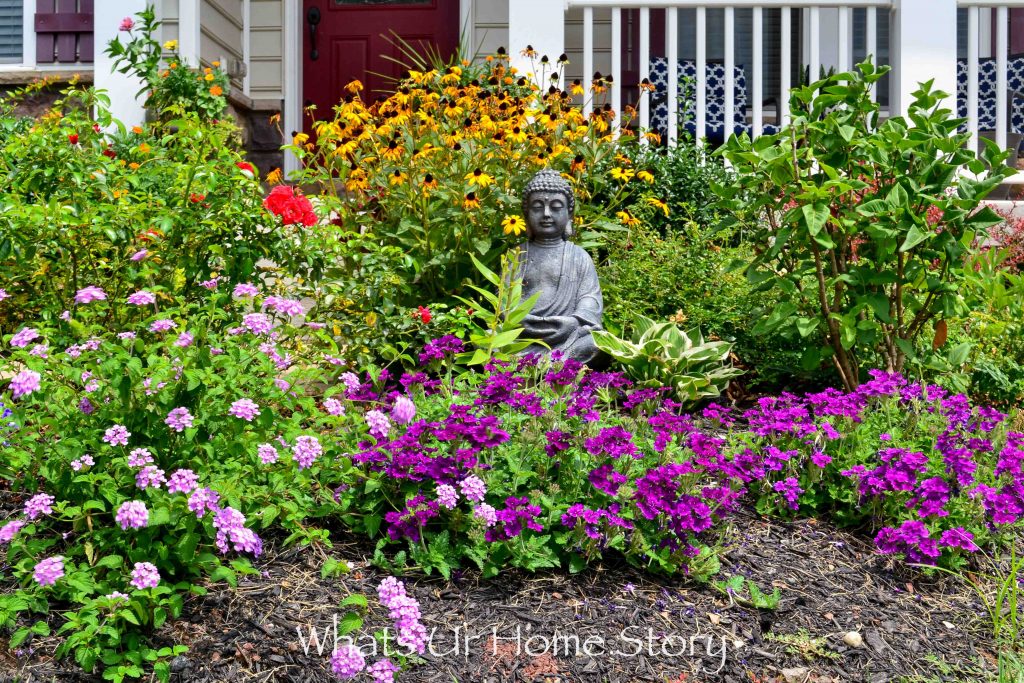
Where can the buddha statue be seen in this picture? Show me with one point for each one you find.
(570, 303)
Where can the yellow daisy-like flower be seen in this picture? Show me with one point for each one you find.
(209, 77)
(479, 178)
(513, 225)
(171, 45)
(393, 151)
(356, 180)
(215, 63)
(627, 219)
(354, 87)
(645, 176)
(397, 178)
(429, 182)
(577, 87)
(658, 204)
(653, 137)
(274, 177)
(623, 174)
(300, 139)
(470, 202)
(517, 135)
(453, 75)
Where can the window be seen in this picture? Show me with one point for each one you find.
(10, 31)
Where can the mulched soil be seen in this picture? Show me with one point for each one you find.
(522, 627)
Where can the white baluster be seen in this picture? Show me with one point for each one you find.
(645, 66)
(786, 64)
(730, 79)
(617, 67)
(672, 56)
(701, 80)
(588, 59)
(1002, 38)
(972, 76)
(758, 47)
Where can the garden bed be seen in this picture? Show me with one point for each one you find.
(914, 628)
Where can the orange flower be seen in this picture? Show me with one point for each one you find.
(216, 91)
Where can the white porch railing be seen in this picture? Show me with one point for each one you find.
(922, 45)
(843, 51)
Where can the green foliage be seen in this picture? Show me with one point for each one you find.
(76, 204)
(684, 177)
(498, 335)
(861, 224)
(173, 87)
(664, 355)
(746, 592)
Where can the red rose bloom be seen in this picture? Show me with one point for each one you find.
(108, 152)
(195, 197)
(424, 314)
(246, 166)
(293, 207)
(73, 138)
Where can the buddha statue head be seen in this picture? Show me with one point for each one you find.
(548, 206)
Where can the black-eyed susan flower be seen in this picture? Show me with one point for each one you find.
(623, 174)
(479, 178)
(397, 177)
(513, 225)
(429, 182)
(658, 204)
(578, 164)
(393, 151)
(653, 137)
(645, 176)
(627, 219)
(517, 135)
(354, 86)
(577, 87)
(471, 201)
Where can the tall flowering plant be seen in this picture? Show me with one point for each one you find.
(170, 85)
(162, 207)
(436, 168)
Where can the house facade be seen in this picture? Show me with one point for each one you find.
(739, 56)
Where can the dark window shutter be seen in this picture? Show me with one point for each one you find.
(10, 31)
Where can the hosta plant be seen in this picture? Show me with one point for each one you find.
(665, 355)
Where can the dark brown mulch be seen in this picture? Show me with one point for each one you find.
(522, 627)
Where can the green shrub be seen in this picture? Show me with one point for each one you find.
(861, 226)
(163, 206)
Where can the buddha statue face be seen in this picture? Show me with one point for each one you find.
(548, 206)
(547, 215)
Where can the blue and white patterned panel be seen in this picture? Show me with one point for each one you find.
(987, 93)
(714, 102)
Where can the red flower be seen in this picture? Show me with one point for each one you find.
(293, 207)
(73, 138)
(96, 127)
(195, 197)
(424, 314)
(108, 152)
(246, 166)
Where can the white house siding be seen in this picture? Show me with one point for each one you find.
(220, 37)
(266, 63)
(490, 26)
(167, 13)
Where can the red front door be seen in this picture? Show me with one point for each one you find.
(347, 40)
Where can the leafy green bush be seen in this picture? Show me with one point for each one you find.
(663, 355)
(684, 178)
(165, 206)
(861, 225)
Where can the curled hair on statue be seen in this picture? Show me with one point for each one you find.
(550, 180)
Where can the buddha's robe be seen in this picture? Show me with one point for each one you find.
(577, 295)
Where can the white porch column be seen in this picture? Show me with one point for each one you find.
(923, 36)
(189, 31)
(540, 24)
(121, 88)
